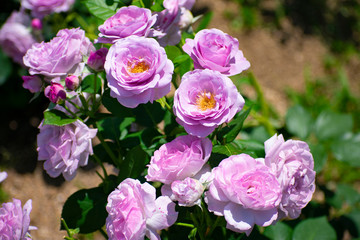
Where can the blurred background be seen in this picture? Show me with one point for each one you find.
(304, 82)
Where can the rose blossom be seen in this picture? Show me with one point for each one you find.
(204, 100)
(181, 158)
(55, 92)
(167, 29)
(32, 83)
(41, 8)
(245, 191)
(138, 71)
(61, 56)
(96, 59)
(216, 50)
(293, 164)
(128, 21)
(15, 36)
(135, 213)
(15, 220)
(64, 148)
(72, 82)
(36, 24)
(187, 4)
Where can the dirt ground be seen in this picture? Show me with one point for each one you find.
(278, 65)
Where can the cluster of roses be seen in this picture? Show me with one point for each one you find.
(246, 191)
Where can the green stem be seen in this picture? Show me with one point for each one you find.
(67, 229)
(213, 226)
(101, 164)
(108, 150)
(193, 218)
(185, 225)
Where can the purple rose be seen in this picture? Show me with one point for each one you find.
(96, 59)
(128, 21)
(55, 92)
(294, 167)
(187, 192)
(216, 50)
(15, 220)
(61, 56)
(36, 24)
(167, 28)
(204, 100)
(245, 191)
(135, 213)
(32, 83)
(183, 157)
(138, 71)
(72, 82)
(65, 148)
(41, 8)
(187, 4)
(15, 36)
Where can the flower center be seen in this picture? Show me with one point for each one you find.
(137, 66)
(205, 100)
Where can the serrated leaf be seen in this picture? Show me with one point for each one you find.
(85, 209)
(100, 9)
(314, 229)
(57, 118)
(299, 121)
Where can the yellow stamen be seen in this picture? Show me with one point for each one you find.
(205, 101)
(138, 67)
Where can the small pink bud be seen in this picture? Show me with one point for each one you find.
(36, 24)
(32, 83)
(55, 92)
(97, 59)
(72, 82)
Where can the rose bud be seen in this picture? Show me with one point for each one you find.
(97, 59)
(72, 82)
(55, 92)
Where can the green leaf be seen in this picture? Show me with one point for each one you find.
(157, 6)
(279, 231)
(109, 127)
(229, 133)
(299, 121)
(172, 52)
(88, 84)
(100, 9)
(330, 125)
(314, 229)
(149, 114)
(204, 21)
(180, 59)
(134, 163)
(251, 147)
(348, 150)
(344, 194)
(85, 209)
(113, 106)
(57, 118)
(320, 157)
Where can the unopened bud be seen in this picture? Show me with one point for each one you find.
(72, 82)
(97, 59)
(55, 92)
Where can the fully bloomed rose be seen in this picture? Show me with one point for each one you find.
(204, 100)
(216, 50)
(128, 21)
(294, 167)
(245, 191)
(65, 148)
(15, 36)
(183, 157)
(138, 71)
(41, 8)
(61, 56)
(134, 212)
(15, 220)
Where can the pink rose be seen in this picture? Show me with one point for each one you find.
(55, 92)
(293, 165)
(181, 158)
(128, 21)
(61, 56)
(245, 191)
(216, 50)
(32, 83)
(97, 59)
(72, 82)
(65, 148)
(15, 220)
(41, 8)
(135, 213)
